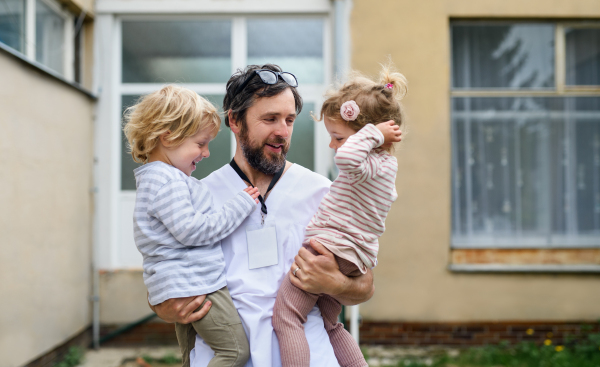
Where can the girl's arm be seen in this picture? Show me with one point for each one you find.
(352, 157)
(173, 207)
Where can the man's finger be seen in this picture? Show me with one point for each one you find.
(195, 316)
(192, 305)
(300, 262)
(296, 282)
(317, 246)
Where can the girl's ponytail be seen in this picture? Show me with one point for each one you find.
(394, 81)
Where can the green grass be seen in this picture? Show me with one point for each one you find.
(581, 351)
(73, 358)
(167, 359)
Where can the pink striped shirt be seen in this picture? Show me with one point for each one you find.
(351, 217)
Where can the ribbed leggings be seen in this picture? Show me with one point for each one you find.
(289, 315)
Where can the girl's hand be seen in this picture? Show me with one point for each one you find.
(391, 132)
(252, 191)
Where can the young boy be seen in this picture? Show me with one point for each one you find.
(175, 227)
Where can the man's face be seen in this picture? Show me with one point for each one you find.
(266, 139)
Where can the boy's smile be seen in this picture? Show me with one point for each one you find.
(186, 156)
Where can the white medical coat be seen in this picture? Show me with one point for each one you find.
(291, 204)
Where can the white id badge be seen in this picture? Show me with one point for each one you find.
(262, 246)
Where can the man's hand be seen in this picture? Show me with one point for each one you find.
(391, 132)
(320, 274)
(181, 310)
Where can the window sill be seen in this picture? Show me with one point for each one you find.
(525, 268)
(45, 70)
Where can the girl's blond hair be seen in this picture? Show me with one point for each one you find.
(174, 109)
(378, 101)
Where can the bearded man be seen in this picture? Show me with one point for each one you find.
(261, 106)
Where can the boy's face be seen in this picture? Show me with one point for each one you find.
(338, 131)
(193, 149)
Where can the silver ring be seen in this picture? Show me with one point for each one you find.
(294, 272)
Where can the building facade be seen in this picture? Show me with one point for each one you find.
(498, 215)
(46, 157)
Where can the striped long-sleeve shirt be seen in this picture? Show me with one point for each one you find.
(351, 217)
(179, 234)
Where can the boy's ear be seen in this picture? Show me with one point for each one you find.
(163, 139)
(233, 125)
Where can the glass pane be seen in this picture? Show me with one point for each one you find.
(294, 44)
(583, 56)
(49, 37)
(302, 148)
(176, 51)
(12, 23)
(220, 148)
(525, 171)
(519, 56)
(127, 163)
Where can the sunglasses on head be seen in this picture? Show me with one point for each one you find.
(269, 77)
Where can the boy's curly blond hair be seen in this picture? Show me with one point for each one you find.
(378, 101)
(174, 109)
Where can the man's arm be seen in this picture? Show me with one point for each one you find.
(321, 275)
(181, 310)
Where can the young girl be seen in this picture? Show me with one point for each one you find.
(363, 119)
(175, 227)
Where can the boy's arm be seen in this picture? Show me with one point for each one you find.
(320, 274)
(173, 207)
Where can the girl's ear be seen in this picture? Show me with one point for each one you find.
(163, 139)
(233, 125)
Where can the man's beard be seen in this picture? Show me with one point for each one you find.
(269, 164)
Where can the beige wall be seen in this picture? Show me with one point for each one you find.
(45, 218)
(412, 282)
(123, 297)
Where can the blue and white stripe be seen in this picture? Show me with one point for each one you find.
(179, 234)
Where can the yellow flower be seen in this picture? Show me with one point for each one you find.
(549, 335)
(547, 342)
(529, 331)
(559, 348)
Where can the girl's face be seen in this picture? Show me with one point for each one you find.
(338, 131)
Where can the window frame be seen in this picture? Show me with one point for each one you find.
(28, 39)
(560, 90)
(311, 93)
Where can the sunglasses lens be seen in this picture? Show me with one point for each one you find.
(289, 78)
(268, 77)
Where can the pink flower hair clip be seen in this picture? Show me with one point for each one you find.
(389, 86)
(349, 110)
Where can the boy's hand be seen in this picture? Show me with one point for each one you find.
(252, 191)
(391, 132)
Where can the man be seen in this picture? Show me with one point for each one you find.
(261, 105)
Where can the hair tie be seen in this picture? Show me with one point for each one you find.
(389, 86)
(349, 110)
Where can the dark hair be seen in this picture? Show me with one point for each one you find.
(255, 89)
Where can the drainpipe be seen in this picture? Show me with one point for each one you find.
(342, 11)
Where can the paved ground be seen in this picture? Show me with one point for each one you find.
(126, 357)
(121, 357)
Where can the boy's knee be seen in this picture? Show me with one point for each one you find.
(243, 354)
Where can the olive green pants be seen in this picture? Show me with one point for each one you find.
(221, 329)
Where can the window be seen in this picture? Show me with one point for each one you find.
(47, 40)
(12, 23)
(200, 54)
(525, 135)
